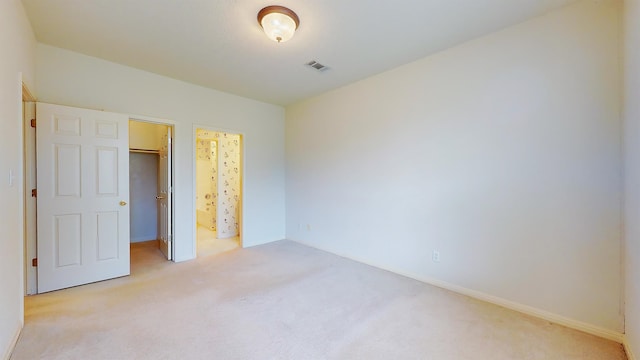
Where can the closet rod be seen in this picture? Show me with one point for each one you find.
(144, 151)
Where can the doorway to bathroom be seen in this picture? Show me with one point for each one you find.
(218, 200)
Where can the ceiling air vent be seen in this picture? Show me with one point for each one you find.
(317, 66)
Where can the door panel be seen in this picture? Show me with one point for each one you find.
(107, 230)
(107, 167)
(67, 170)
(83, 190)
(68, 239)
(164, 196)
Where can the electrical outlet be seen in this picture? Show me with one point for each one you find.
(308, 227)
(435, 256)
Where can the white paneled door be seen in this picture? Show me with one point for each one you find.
(164, 196)
(83, 191)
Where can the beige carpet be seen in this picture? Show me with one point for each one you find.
(209, 244)
(283, 301)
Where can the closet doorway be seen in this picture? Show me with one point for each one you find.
(150, 179)
(218, 174)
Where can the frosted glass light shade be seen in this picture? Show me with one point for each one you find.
(278, 22)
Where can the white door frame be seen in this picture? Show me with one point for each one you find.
(30, 224)
(28, 207)
(29, 183)
(194, 139)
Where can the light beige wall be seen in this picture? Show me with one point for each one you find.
(503, 154)
(17, 46)
(145, 136)
(631, 51)
(69, 78)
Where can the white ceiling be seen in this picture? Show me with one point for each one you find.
(219, 43)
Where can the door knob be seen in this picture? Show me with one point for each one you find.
(123, 203)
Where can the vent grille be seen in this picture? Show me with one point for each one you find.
(317, 66)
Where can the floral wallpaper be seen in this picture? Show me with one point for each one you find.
(222, 202)
(207, 189)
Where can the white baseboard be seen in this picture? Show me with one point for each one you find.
(13, 343)
(142, 239)
(529, 310)
(627, 349)
(525, 309)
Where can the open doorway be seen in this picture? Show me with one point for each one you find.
(150, 195)
(218, 174)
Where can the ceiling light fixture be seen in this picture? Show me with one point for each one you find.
(278, 22)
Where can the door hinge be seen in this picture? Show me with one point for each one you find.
(34, 262)
(33, 123)
(34, 192)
